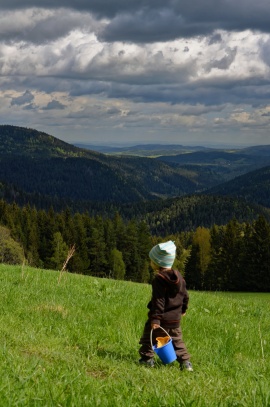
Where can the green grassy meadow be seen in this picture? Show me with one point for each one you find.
(75, 343)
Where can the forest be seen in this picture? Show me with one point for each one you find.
(231, 257)
(112, 209)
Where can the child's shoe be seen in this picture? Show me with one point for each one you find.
(186, 365)
(147, 362)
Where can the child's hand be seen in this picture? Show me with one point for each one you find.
(155, 326)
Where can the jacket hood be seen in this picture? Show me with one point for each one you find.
(172, 277)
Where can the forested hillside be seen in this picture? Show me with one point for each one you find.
(34, 162)
(223, 164)
(44, 171)
(21, 141)
(233, 257)
(47, 173)
(188, 213)
(144, 150)
(113, 209)
(253, 187)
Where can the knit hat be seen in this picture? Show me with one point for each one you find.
(163, 254)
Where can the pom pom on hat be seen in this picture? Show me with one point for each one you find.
(163, 254)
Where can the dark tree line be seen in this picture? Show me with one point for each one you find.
(233, 257)
(104, 247)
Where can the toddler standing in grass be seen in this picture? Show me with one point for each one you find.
(169, 301)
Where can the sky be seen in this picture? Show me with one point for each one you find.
(137, 71)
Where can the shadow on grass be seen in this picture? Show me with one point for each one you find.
(115, 355)
(129, 358)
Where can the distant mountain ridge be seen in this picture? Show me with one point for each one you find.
(44, 171)
(39, 163)
(22, 141)
(143, 149)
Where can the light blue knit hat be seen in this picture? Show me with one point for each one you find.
(163, 254)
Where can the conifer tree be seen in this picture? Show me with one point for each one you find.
(110, 238)
(144, 272)
(10, 250)
(60, 250)
(199, 259)
(193, 275)
(130, 251)
(257, 260)
(46, 229)
(230, 261)
(80, 262)
(117, 265)
(97, 249)
(214, 274)
(33, 239)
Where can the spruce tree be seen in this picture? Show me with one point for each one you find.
(257, 259)
(214, 275)
(97, 249)
(117, 265)
(80, 262)
(193, 275)
(60, 251)
(230, 259)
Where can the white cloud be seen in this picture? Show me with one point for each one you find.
(59, 67)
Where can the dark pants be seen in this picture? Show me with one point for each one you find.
(147, 352)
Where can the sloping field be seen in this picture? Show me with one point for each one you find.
(75, 343)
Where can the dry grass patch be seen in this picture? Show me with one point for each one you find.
(59, 309)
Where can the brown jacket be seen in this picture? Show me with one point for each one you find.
(169, 299)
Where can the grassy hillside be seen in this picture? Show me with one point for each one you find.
(75, 344)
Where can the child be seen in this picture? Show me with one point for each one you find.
(169, 301)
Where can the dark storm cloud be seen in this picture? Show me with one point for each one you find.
(215, 39)
(27, 97)
(223, 63)
(206, 92)
(102, 8)
(156, 20)
(265, 52)
(53, 105)
(31, 106)
(151, 26)
(38, 26)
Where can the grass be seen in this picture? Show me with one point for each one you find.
(76, 344)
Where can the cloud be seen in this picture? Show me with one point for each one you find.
(30, 106)
(54, 105)
(145, 21)
(215, 38)
(23, 99)
(39, 25)
(223, 63)
(137, 68)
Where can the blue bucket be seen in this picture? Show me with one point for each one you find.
(166, 353)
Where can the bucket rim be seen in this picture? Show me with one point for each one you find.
(154, 347)
(151, 337)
